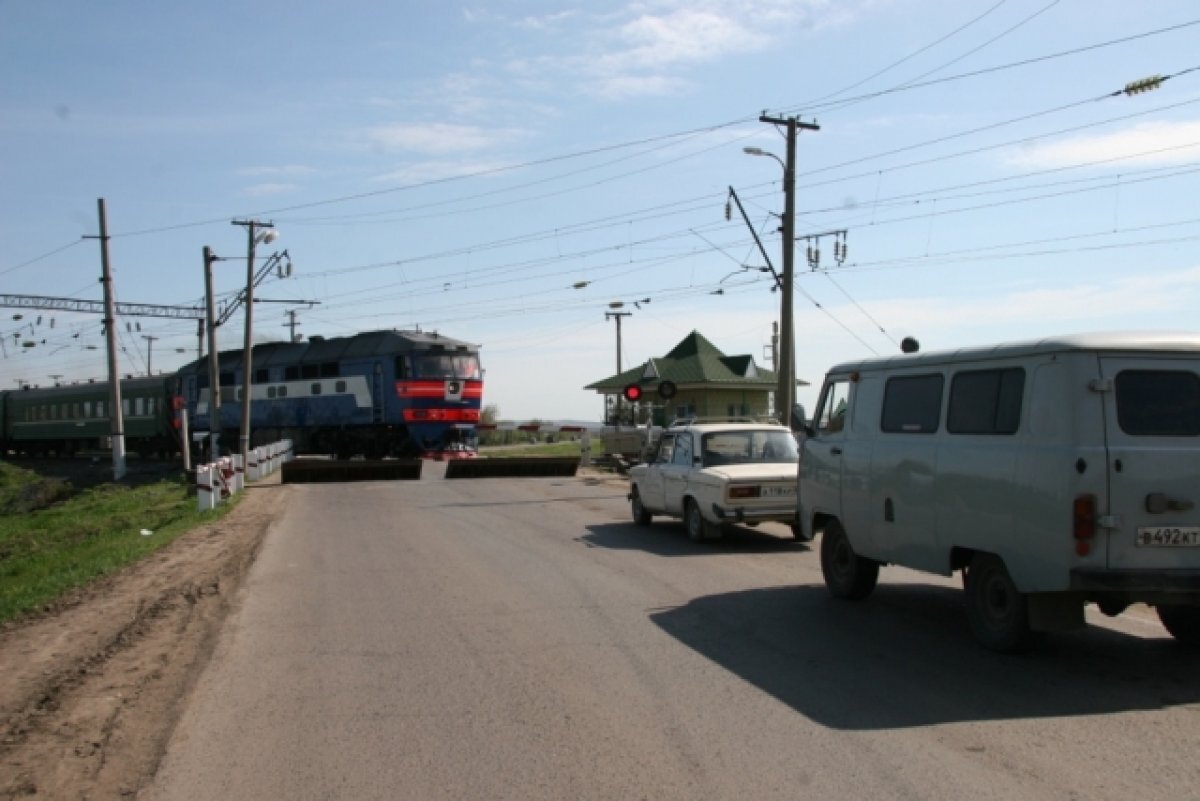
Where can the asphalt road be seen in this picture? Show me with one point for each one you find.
(522, 639)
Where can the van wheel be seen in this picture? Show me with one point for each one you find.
(1182, 621)
(847, 575)
(997, 611)
(641, 515)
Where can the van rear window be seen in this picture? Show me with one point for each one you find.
(1158, 403)
(912, 404)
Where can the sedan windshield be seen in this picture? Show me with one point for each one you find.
(749, 447)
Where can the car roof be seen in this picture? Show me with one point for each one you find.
(710, 427)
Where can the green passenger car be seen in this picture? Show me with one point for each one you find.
(67, 419)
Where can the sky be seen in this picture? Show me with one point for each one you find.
(514, 173)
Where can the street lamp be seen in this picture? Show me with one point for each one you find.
(265, 233)
(786, 387)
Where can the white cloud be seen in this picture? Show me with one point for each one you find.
(1160, 143)
(618, 87)
(547, 21)
(267, 189)
(439, 138)
(433, 170)
(277, 171)
(647, 47)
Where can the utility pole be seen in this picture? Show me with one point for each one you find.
(290, 325)
(786, 392)
(116, 416)
(214, 373)
(258, 232)
(617, 316)
(149, 352)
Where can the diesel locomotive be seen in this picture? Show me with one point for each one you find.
(375, 394)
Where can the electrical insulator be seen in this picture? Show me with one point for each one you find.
(728, 211)
(1144, 85)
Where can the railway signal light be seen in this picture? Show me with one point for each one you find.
(666, 390)
(632, 393)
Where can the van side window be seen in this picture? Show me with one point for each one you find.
(912, 404)
(986, 401)
(834, 407)
(1158, 403)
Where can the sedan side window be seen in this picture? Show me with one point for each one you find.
(665, 449)
(683, 450)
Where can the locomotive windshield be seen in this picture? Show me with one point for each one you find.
(446, 365)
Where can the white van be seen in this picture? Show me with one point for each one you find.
(1053, 473)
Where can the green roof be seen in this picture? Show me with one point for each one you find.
(694, 361)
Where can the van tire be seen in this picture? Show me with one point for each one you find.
(1183, 622)
(847, 575)
(997, 611)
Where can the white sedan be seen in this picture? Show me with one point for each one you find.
(714, 474)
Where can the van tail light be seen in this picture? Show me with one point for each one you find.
(1083, 526)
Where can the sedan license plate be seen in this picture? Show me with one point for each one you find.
(778, 492)
(1168, 537)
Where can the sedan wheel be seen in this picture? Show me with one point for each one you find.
(694, 521)
(641, 515)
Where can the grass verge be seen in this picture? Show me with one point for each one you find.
(53, 541)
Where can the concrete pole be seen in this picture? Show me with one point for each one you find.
(116, 413)
(247, 360)
(787, 340)
(214, 372)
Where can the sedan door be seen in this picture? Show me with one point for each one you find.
(677, 473)
(651, 486)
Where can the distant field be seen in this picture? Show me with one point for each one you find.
(539, 449)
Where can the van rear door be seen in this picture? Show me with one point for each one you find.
(1152, 421)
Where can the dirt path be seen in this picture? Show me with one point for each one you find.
(90, 690)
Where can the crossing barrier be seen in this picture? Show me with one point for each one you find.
(227, 476)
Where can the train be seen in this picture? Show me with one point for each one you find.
(65, 420)
(375, 394)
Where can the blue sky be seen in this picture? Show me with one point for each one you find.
(503, 172)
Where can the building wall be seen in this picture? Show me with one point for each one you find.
(713, 403)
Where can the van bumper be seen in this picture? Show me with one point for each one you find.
(1147, 581)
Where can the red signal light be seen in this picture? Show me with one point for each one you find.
(632, 392)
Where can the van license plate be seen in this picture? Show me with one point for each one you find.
(778, 492)
(1168, 537)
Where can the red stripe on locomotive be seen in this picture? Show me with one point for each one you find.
(471, 390)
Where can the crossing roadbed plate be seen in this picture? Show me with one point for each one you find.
(516, 467)
(311, 471)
